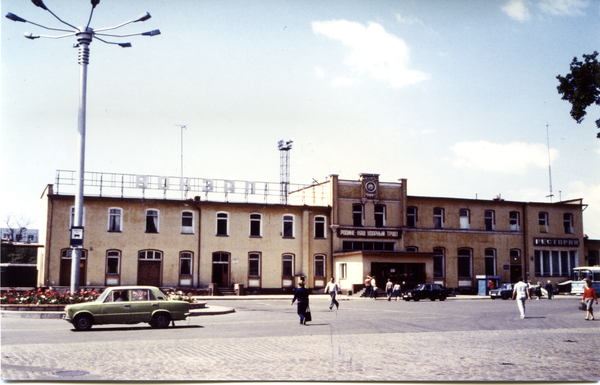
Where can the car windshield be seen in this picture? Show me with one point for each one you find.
(506, 286)
(102, 296)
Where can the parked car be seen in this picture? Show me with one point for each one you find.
(127, 305)
(432, 291)
(504, 291)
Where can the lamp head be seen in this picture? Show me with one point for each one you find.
(151, 33)
(40, 4)
(125, 45)
(143, 17)
(94, 3)
(31, 36)
(14, 17)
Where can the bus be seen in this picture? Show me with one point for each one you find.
(580, 274)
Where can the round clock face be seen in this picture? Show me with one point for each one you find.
(370, 187)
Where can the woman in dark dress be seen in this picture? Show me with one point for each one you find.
(301, 294)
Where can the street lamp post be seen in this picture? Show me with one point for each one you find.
(84, 35)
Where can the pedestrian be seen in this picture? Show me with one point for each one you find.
(397, 291)
(589, 296)
(521, 294)
(549, 289)
(491, 285)
(301, 294)
(389, 286)
(373, 288)
(367, 291)
(333, 288)
(538, 291)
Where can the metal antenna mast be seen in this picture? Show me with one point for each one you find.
(549, 165)
(181, 184)
(284, 170)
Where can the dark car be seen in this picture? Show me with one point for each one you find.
(504, 291)
(432, 291)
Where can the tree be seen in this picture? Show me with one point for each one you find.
(17, 227)
(582, 86)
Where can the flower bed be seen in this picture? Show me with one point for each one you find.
(47, 297)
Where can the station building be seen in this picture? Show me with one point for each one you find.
(347, 229)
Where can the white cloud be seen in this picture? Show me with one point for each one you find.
(564, 7)
(319, 72)
(408, 20)
(343, 81)
(374, 51)
(517, 9)
(507, 158)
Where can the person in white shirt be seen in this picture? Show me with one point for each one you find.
(521, 294)
(388, 289)
(333, 288)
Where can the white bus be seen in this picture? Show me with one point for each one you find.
(580, 274)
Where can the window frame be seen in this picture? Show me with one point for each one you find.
(517, 218)
(438, 218)
(358, 216)
(289, 230)
(253, 223)
(119, 228)
(543, 217)
(320, 258)
(343, 270)
(290, 258)
(112, 279)
(187, 229)
(186, 279)
(156, 223)
(568, 223)
(464, 225)
(460, 256)
(490, 253)
(257, 258)
(489, 217)
(220, 217)
(72, 217)
(381, 215)
(412, 215)
(320, 221)
(441, 253)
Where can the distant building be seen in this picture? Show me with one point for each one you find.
(347, 229)
(19, 235)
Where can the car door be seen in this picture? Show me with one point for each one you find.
(117, 308)
(143, 303)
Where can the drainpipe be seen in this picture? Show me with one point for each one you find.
(48, 245)
(197, 204)
(525, 243)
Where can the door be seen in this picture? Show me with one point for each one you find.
(65, 268)
(516, 271)
(149, 273)
(220, 271)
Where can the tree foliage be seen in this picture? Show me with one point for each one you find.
(581, 87)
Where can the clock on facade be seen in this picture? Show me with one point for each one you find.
(370, 187)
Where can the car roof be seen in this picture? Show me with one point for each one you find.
(130, 287)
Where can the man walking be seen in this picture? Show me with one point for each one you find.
(521, 294)
(388, 289)
(333, 288)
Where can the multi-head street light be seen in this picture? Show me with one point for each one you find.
(84, 35)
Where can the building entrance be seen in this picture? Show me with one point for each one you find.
(220, 270)
(411, 273)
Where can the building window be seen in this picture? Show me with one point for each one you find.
(152, 221)
(288, 226)
(319, 266)
(412, 248)
(287, 265)
(515, 257)
(379, 216)
(438, 262)
(514, 220)
(343, 271)
(222, 224)
(254, 265)
(489, 220)
(150, 255)
(187, 222)
(554, 263)
(255, 225)
(464, 263)
(543, 221)
(113, 267)
(568, 223)
(114, 219)
(368, 246)
(490, 262)
(411, 217)
(357, 215)
(185, 263)
(320, 227)
(438, 218)
(465, 222)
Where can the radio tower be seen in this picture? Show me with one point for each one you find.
(284, 170)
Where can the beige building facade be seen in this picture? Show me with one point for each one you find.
(346, 229)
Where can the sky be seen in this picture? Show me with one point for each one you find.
(458, 97)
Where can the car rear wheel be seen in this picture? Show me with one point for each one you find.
(160, 320)
(432, 299)
(416, 299)
(83, 322)
(504, 296)
(442, 298)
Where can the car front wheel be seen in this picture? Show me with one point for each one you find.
(160, 321)
(82, 322)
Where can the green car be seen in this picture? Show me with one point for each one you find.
(128, 305)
